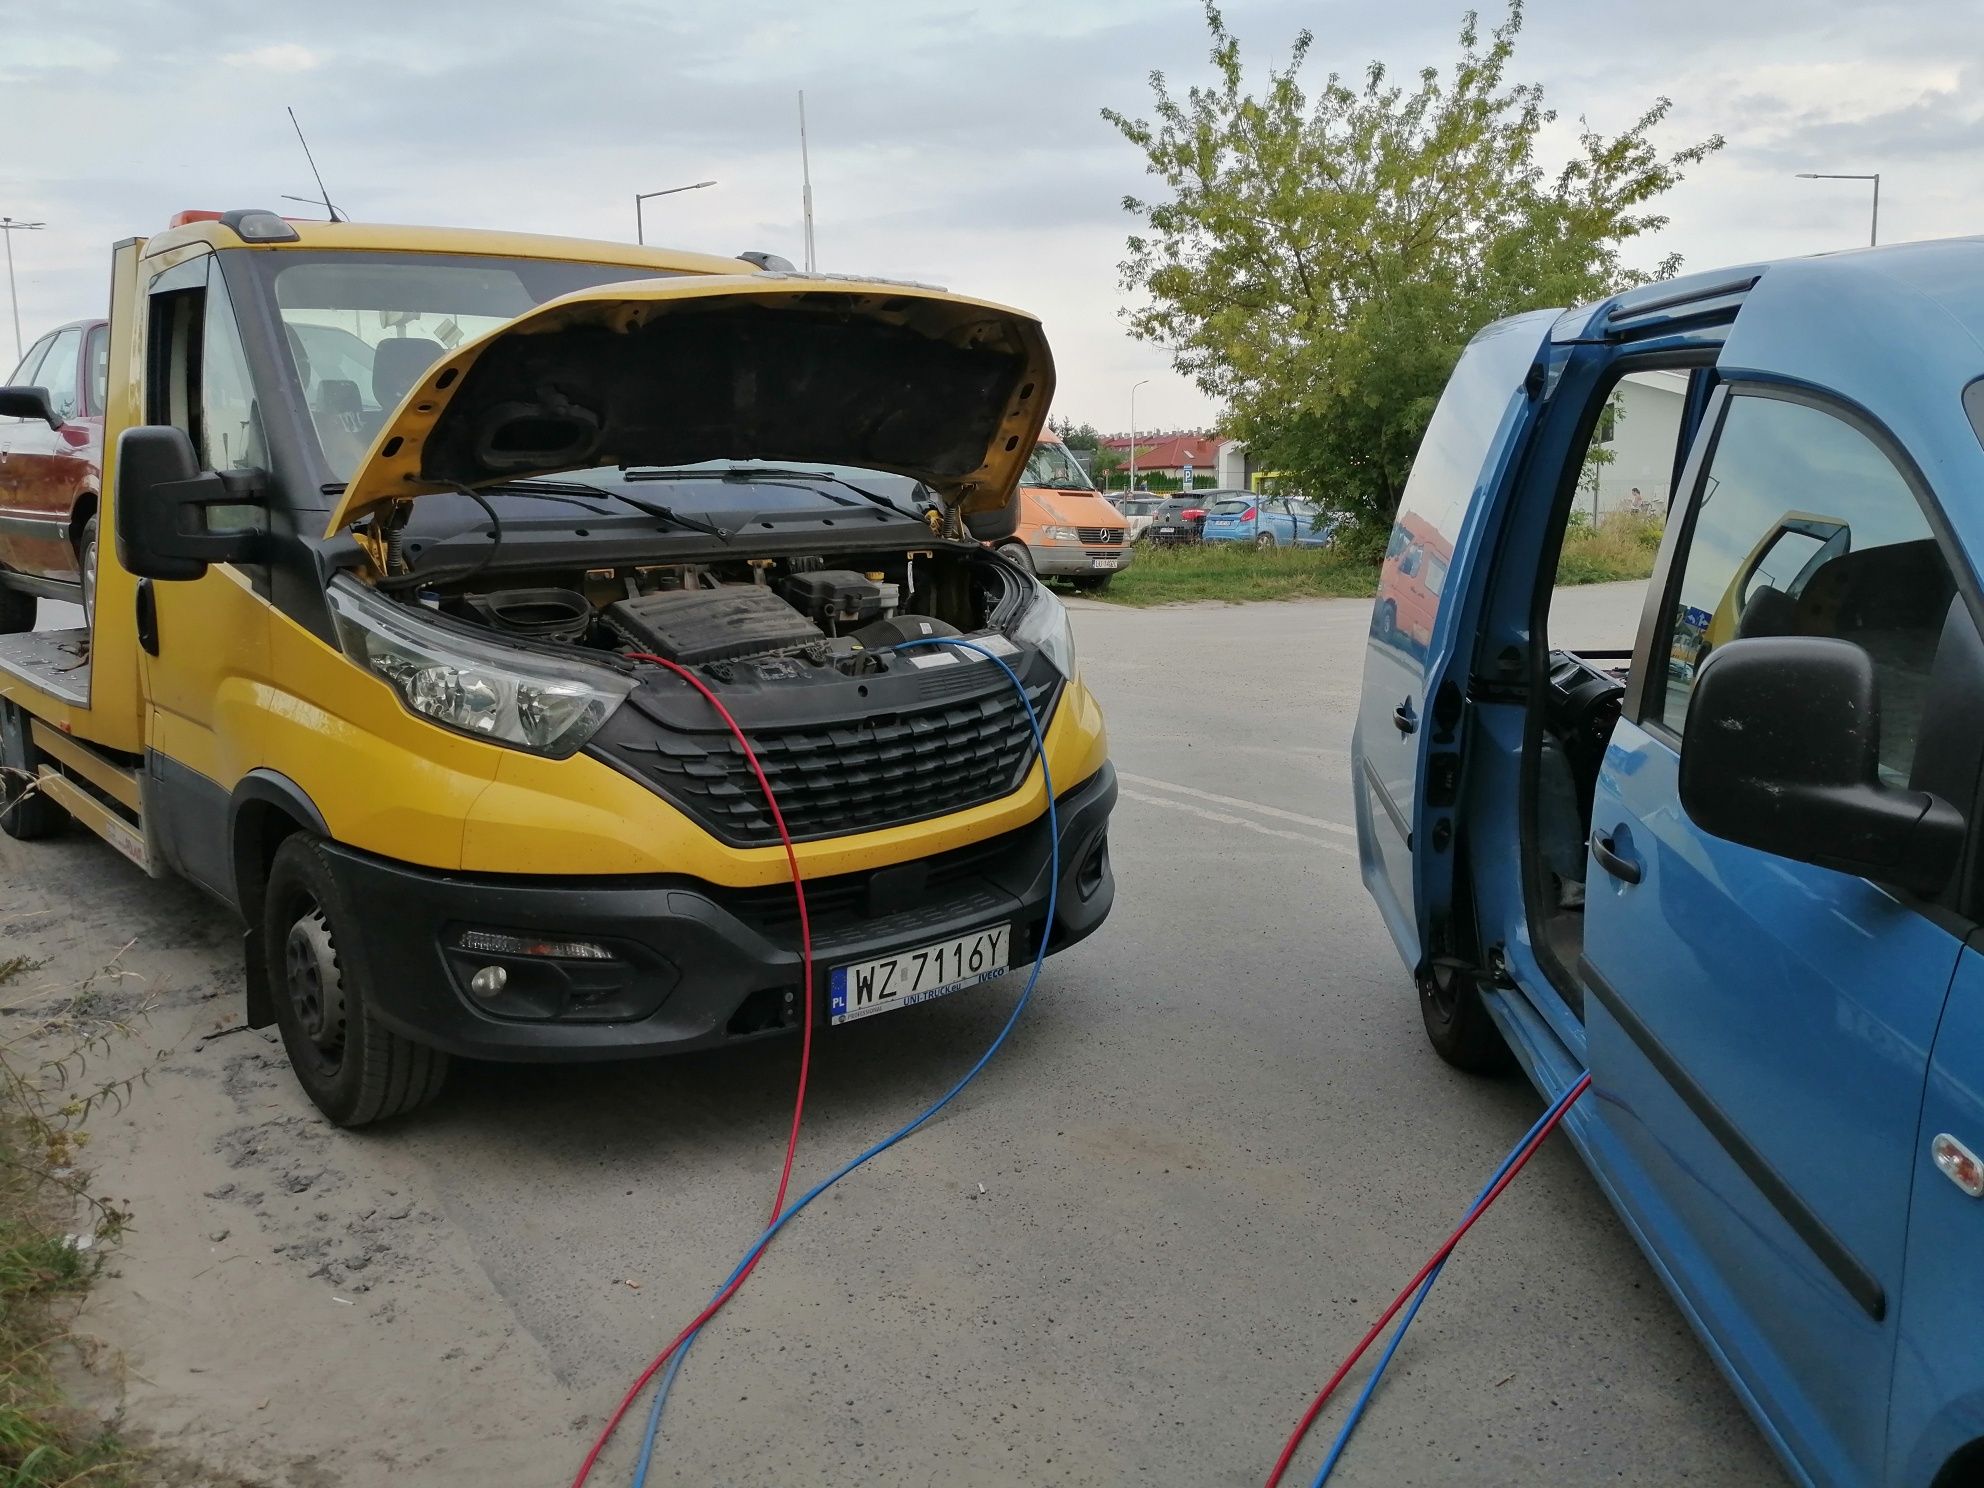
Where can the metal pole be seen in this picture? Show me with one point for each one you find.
(1874, 237)
(641, 196)
(806, 182)
(1874, 231)
(13, 298)
(1133, 431)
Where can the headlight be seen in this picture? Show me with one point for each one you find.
(1060, 534)
(542, 704)
(1043, 624)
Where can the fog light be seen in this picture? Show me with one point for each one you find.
(489, 942)
(489, 981)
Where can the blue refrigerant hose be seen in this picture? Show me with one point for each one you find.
(1371, 1385)
(909, 1127)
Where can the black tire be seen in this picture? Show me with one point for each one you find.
(1458, 1025)
(1266, 540)
(1386, 623)
(352, 1067)
(86, 560)
(1020, 554)
(16, 611)
(26, 815)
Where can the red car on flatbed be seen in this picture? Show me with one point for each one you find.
(51, 469)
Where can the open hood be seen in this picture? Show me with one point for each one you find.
(946, 390)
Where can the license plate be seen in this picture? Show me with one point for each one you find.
(1166, 531)
(909, 977)
(1107, 562)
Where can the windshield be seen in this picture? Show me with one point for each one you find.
(362, 327)
(1053, 467)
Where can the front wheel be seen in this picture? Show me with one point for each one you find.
(1458, 1024)
(351, 1066)
(1020, 554)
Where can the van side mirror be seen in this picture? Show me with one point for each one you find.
(30, 403)
(162, 501)
(1782, 752)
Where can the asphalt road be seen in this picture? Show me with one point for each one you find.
(1214, 1147)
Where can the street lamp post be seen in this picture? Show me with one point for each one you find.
(1133, 432)
(8, 227)
(640, 235)
(1874, 232)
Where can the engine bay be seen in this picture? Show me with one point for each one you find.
(768, 621)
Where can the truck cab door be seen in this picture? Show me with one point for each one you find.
(1405, 756)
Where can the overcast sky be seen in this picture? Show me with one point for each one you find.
(956, 143)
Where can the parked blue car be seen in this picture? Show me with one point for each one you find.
(1740, 877)
(1265, 521)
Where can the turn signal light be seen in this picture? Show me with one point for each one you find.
(1959, 1164)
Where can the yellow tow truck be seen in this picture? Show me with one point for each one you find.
(396, 513)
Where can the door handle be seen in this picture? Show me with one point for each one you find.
(1402, 716)
(1614, 862)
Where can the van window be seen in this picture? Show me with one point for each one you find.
(1804, 527)
(59, 374)
(229, 431)
(1053, 467)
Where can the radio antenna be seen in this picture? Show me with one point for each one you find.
(313, 166)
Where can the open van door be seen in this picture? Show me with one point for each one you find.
(1406, 754)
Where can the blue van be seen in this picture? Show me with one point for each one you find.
(1737, 872)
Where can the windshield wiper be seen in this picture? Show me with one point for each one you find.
(772, 476)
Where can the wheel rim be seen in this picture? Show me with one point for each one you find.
(1265, 540)
(89, 580)
(314, 983)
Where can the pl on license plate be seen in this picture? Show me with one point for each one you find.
(1107, 562)
(919, 975)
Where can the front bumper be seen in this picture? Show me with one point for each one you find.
(1067, 560)
(712, 965)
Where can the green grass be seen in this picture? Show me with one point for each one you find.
(1623, 546)
(1236, 572)
(44, 1443)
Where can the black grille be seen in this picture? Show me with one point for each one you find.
(833, 779)
(1097, 535)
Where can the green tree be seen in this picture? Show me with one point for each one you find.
(1320, 264)
(1077, 436)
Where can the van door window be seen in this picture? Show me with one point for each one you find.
(1804, 527)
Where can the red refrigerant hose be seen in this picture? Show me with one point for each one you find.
(805, 1062)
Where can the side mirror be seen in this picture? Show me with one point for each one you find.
(1782, 753)
(162, 502)
(29, 402)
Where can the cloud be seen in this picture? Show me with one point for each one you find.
(950, 142)
(281, 56)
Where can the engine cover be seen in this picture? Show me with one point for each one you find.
(694, 626)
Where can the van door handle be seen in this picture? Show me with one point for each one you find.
(1403, 717)
(1621, 867)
